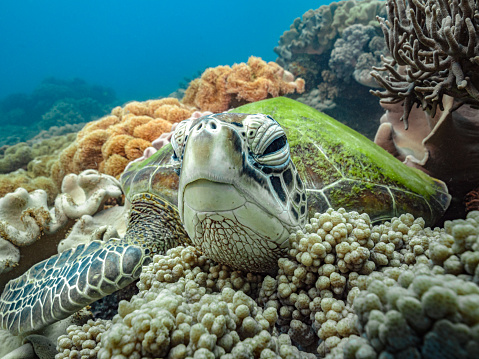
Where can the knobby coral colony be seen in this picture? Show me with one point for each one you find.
(436, 41)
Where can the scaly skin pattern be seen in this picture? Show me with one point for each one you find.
(63, 284)
(57, 287)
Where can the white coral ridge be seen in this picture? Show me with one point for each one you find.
(25, 217)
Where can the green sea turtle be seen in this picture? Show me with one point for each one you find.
(234, 185)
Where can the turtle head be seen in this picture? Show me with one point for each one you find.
(239, 194)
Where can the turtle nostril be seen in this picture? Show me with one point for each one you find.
(213, 125)
(199, 127)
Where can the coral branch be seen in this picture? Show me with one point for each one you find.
(437, 43)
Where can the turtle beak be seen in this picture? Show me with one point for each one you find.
(213, 152)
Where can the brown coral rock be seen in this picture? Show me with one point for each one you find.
(224, 87)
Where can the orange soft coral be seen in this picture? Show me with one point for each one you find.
(152, 130)
(224, 87)
(115, 145)
(111, 142)
(89, 153)
(114, 165)
(134, 148)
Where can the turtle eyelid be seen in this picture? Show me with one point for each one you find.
(275, 145)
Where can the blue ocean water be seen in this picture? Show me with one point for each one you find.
(142, 49)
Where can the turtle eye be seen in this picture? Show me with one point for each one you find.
(276, 145)
(276, 153)
(179, 137)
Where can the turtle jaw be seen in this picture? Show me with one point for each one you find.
(230, 207)
(228, 228)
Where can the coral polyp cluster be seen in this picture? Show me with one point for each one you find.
(345, 287)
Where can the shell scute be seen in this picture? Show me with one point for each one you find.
(164, 183)
(328, 155)
(142, 176)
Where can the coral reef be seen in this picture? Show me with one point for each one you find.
(316, 32)
(434, 66)
(19, 155)
(53, 103)
(346, 287)
(224, 87)
(437, 44)
(355, 53)
(334, 48)
(30, 230)
(111, 142)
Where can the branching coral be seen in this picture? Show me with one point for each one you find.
(436, 42)
(224, 87)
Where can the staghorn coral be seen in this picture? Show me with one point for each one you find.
(224, 87)
(110, 143)
(437, 44)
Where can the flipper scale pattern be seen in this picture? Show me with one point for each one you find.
(63, 284)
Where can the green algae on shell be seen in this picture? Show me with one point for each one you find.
(342, 168)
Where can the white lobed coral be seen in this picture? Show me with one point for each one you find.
(180, 313)
(340, 272)
(82, 341)
(409, 312)
(27, 221)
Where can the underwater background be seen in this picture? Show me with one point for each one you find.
(141, 49)
(87, 88)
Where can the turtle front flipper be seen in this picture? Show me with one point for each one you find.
(63, 284)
